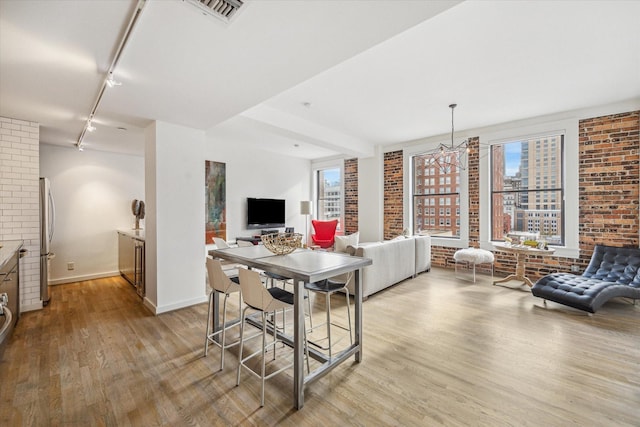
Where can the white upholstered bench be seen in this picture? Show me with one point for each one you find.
(470, 258)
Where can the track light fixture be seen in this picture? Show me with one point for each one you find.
(111, 82)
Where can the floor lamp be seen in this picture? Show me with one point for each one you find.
(305, 209)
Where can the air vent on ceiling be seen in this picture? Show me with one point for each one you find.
(223, 9)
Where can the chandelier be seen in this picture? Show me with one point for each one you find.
(451, 157)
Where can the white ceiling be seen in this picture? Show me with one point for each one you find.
(372, 72)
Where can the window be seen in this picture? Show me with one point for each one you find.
(439, 193)
(329, 194)
(526, 188)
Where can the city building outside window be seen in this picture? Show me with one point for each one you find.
(526, 189)
(436, 190)
(329, 200)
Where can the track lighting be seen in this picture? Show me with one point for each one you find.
(111, 82)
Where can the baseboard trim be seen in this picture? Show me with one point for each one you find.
(74, 279)
(177, 305)
(146, 302)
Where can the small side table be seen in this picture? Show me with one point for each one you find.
(521, 253)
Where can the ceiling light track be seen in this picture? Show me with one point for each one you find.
(109, 81)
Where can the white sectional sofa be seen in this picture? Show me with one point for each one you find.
(393, 261)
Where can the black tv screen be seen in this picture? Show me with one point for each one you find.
(264, 213)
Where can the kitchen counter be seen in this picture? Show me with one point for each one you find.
(136, 234)
(9, 285)
(8, 249)
(131, 245)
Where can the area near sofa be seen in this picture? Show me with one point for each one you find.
(393, 261)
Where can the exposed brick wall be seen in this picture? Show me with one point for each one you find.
(350, 196)
(393, 194)
(609, 174)
(473, 167)
(19, 200)
(609, 180)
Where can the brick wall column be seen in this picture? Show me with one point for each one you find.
(393, 194)
(473, 169)
(608, 178)
(350, 196)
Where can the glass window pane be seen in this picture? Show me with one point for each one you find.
(433, 175)
(527, 193)
(329, 194)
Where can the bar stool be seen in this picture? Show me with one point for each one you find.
(262, 300)
(273, 277)
(226, 285)
(328, 287)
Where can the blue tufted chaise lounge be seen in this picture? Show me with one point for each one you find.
(612, 272)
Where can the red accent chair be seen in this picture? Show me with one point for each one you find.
(325, 232)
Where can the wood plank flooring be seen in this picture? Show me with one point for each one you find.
(437, 351)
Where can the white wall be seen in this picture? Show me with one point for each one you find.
(174, 187)
(260, 174)
(371, 198)
(175, 247)
(93, 191)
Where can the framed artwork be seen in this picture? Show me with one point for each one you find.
(215, 200)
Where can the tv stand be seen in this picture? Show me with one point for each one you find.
(253, 239)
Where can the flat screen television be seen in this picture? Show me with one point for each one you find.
(265, 213)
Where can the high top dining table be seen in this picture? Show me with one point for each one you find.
(303, 266)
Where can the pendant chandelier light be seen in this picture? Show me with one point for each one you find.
(452, 157)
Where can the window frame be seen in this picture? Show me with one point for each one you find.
(321, 166)
(524, 130)
(430, 145)
(537, 192)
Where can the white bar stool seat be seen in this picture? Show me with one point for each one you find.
(470, 258)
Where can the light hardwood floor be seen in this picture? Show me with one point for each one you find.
(437, 351)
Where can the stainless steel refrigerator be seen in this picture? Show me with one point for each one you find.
(47, 221)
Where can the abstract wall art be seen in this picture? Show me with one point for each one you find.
(215, 201)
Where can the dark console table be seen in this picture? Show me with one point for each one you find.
(253, 239)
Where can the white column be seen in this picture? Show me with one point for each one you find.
(175, 215)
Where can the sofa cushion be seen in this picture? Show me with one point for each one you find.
(342, 242)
